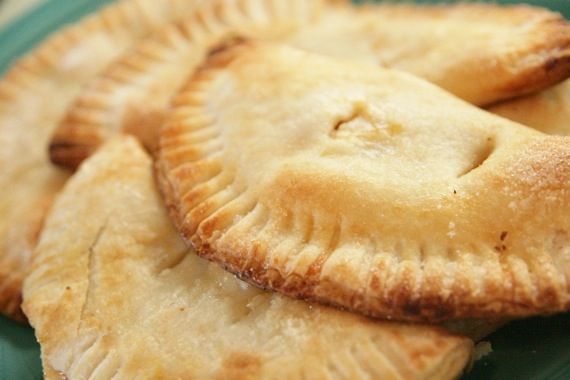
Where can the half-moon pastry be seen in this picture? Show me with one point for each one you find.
(548, 111)
(113, 292)
(482, 53)
(366, 188)
(34, 95)
(132, 96)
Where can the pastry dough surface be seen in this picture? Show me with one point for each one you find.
(366, 188)
(482, 53)
(34, 96)
(113, 292)
(548, 111)
(132, 96)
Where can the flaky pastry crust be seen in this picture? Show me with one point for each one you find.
(366, 188)
(132, 96)
(34, 95)
(482, 53)
(113, 292)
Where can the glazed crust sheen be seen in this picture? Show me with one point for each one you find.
(482, 53)
(342, 183)
(117, 294)
(548, 111)
(34, 94)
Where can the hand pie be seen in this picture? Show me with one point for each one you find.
(132, 96)
(548, 111)
(34, 95)
(116, 294)
(366, 188)
(482, 53)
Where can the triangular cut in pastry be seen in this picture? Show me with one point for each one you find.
(482, 53)
(34, 95)
(114, 292)
(548, 111)
(366, 188)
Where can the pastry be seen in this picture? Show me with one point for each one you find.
(34, 95)
(113, 292)
(132, 96)
(548, 111)
(366, 188)
(482, 53)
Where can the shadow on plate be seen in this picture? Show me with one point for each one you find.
(19, 352)
(537, 348)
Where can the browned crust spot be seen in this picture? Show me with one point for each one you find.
(549, 69)
(222, 55)
(11, 297)
(239, 366)
(69, 155)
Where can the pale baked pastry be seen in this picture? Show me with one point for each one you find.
(132, 96)
(34, 95)
(480, 52)
(366, 188)
(114, 293)
(548, 111)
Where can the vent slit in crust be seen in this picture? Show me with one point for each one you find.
(483, 155)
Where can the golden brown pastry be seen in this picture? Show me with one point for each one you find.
(366, 188)
(34, 95)
(482, 53)
(113, 292)
(548, 111)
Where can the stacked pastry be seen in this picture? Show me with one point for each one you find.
(362, 222)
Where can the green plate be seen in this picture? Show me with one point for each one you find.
(537, 348)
